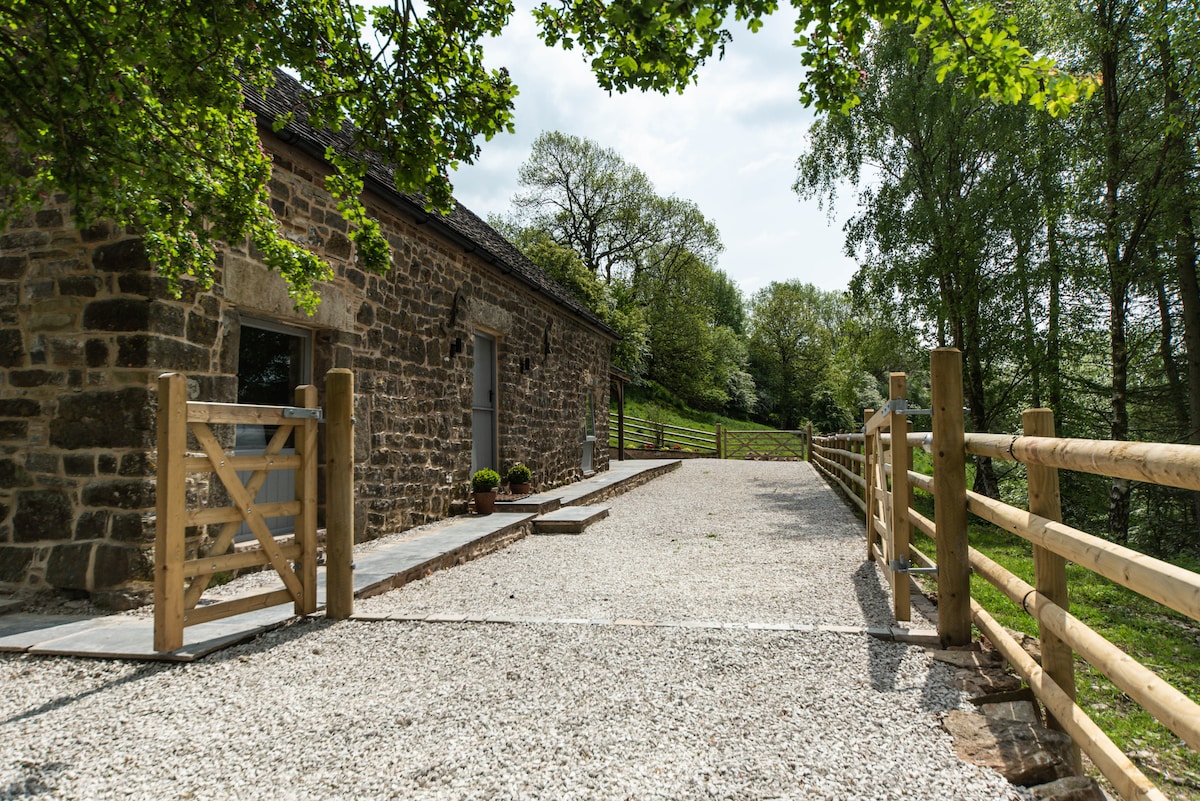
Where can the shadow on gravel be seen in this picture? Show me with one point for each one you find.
(883, 658)
(142, 671)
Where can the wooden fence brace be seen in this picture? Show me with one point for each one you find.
(171, 501)
(950, 497)
(339, 496)
(1050, 569)
(898, 529)
(305, 444)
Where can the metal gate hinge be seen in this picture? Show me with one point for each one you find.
(303, 413)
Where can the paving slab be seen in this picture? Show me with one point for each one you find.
(135, 640)
(569, 519)
(19, 632)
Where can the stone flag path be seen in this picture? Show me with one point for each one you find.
(756, 681)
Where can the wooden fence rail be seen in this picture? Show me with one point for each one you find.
(874, 469)
(662, 436)
(180, 582)
(724, 443)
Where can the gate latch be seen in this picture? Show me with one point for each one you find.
(904, 566)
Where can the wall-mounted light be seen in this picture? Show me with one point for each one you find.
(456, 346)
(525, 364)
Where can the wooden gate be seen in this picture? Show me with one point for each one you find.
(763, 445)
(175, 598)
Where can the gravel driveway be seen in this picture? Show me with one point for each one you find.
(546, 708)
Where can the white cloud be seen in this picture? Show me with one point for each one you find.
(728, 143)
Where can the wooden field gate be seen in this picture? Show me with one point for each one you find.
(762, 444)
(180, 582)
(874, 469)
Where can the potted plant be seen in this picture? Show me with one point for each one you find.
(483, 485)
(518, 479)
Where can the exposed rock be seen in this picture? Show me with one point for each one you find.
(122, 600)
(1070, 788)
(986, 682)
(965, 659)
(1020, 711)
(1024, 754)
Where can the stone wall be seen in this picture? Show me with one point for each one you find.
(86, 327)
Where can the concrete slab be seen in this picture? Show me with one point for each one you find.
(9, 605)
(569, 519)
(20, 632)
(134, 639)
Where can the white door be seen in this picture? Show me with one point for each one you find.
(483, 405)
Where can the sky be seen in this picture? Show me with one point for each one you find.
(728, 143)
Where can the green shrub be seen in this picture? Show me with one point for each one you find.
(519, 474)
(485, 480)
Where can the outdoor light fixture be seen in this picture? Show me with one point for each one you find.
(525, 364)
(456, 346)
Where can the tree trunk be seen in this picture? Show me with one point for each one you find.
(1118, 283)
(1166, 352)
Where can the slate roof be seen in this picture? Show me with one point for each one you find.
(461, 225)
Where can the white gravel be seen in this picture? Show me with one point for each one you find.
(390, 710)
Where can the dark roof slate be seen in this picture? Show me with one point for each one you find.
(463, 225)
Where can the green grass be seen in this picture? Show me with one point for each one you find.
(701, 421)
(1161, 639)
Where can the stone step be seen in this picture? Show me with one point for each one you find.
(569, 519)
(9, 605)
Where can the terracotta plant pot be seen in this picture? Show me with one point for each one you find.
(520, 489)
(485, 502)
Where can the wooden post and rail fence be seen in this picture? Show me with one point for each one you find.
(874, 470)
(179, 582)
(724, 443)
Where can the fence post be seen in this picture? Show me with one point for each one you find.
(808, 443)
(868, 452)
(1050, 569)
(305, 441)
(169, 523)
(720, 441)
(899, 532)
(950, 498)
(339, 495)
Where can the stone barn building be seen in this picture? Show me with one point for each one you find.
(465, 355)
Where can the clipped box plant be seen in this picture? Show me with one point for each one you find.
(519, 477)
(483, 485)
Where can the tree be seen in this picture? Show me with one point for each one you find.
(933, 230)
(590, 199)
(793, 326)
(134, 109)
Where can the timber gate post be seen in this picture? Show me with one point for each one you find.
(808, 443)
(720, 441)
(868, 453)
(339, 496)
(950, 498)
(1050, 569)
(306, 494)
(171, 495)
(899, 532)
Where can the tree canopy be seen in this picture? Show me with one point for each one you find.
(134, 110)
